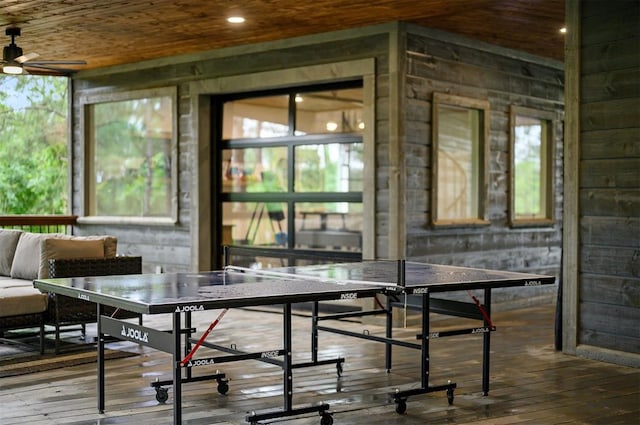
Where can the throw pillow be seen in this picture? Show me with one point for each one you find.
(110, 242)
(26, 261)
(8, 242)
(56, 248)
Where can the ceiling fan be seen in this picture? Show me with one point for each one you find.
(14, 62)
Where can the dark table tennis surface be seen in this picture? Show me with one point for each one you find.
(234, 287)
(435, 277)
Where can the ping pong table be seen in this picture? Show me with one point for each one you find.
(423, 282)
(181, 294)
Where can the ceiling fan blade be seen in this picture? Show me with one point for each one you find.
(27, 57)
(61, 62)
(49, 70)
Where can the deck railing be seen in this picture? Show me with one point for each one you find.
(39, 223)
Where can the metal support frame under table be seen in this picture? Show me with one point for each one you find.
(171, 343)
(454, 308)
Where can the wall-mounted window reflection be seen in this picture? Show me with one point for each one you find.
(331, 111)
(460, 128)
(329, 225)
(131, 159)
(333, 167)
(254, 170)
(255, 224)
(256, 117)
(531, 191)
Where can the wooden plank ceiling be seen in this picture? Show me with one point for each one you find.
(116, 32)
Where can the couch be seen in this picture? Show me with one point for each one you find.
(26, 256)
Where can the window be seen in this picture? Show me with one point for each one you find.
(531, 192)
(33, 144)
(292, 167)
(460, 133)
(131, 155)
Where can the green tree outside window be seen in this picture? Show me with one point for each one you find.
(33, 145)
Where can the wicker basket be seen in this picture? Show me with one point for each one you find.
(95, 267)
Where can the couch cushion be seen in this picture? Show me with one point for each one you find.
(110, 242)
(56, 248)
(8, 243)
(8, 282)
(22, 300)
(26, 261)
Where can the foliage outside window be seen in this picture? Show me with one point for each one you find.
(33, 145)
(531, 192)
(132, 156)
(460, 134)
(289, 158)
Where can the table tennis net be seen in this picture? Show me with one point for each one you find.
(384, 274)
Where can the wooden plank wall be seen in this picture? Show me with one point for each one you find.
(457, 67)
(424, 61)
(171, 247)
(609, 199)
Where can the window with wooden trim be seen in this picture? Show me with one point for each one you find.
(460, 143)
(531, 191)
(131, 155)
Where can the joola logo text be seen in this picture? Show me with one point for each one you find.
(134, 334)
(185, 308)
(434, 335)
(421, 291)
(532, 283)
(479, 330)
(350, 296)
(83, 297)
(203, 362)
(269, 354)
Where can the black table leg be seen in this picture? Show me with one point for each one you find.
(486, 344)
(388, 334)
(100, 361)
(177, 370)
(425, 340)
(314, 331)
(187, 341)
(287, 371)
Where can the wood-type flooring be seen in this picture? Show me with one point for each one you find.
(531, 383)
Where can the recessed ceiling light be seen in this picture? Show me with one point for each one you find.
(563, 30)
(235, 19)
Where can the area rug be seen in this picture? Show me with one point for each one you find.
(24, 364)
(20, 353)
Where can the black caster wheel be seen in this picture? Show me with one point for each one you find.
(326, 419)
(162, 395)
(339, 369)
(401, 406)
(450, 396)
(223, 387)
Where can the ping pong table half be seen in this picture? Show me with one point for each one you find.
(420, 284)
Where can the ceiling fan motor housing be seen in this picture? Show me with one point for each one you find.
(10, 52)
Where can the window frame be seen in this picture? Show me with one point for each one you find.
(482, 106)
(87, 102)
(290, 196)
(547, 159)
